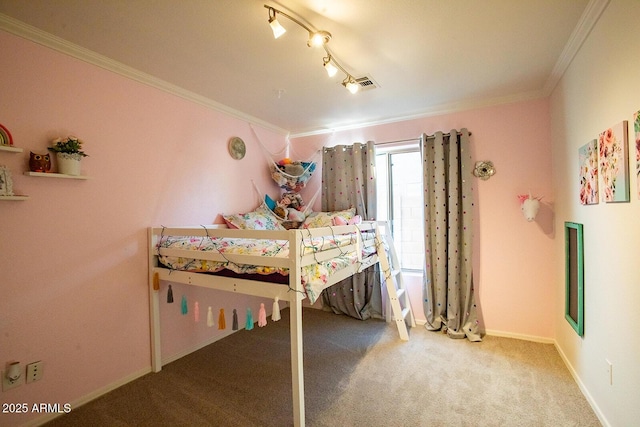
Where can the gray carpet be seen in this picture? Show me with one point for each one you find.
(356, 374)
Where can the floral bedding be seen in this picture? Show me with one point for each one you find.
(314, 276)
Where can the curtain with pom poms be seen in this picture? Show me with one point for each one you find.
(448, 212)
(348, 181)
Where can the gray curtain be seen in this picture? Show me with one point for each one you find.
(348, 180)
(448, 280)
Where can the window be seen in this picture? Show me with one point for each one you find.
(400, 201)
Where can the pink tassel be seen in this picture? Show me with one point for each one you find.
(275, 314)
(196, 312)
(262, 316)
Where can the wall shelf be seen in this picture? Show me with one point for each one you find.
(10, 148)
(14, 197)
(55, 175)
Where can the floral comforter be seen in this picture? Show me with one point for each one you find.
(314, 276)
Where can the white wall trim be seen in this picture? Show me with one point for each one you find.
(91, 396)
(534, 338)
(582, 387)
(436, 111)
(43, 38)
(580, 33)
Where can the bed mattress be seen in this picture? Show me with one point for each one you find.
(314, 276)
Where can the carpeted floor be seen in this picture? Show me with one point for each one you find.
(356, 374)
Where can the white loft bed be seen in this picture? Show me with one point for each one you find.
(294, 292)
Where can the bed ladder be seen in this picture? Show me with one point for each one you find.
(399, 307)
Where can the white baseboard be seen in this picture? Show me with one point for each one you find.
(91, 396)
(582, 387)
(534, 338)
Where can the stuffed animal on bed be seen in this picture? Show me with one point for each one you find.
(290, 207)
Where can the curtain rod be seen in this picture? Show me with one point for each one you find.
(414, 139)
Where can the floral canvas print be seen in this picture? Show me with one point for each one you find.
(588, 158)
(614, 160)
(636, 128)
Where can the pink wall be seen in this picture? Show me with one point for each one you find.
(512, 257)
(74, 255)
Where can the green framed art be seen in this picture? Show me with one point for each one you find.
(574, 276)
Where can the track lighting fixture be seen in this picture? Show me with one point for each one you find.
(317, 38)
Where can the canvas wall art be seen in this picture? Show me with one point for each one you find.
(636, 128)
(588, 160)
(614, 163)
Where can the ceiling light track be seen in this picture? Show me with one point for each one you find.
(317, 38)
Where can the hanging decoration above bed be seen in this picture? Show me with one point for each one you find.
(292, 175)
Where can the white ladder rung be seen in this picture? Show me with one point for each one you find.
(399, 305)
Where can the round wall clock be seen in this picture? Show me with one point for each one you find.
(237, 149)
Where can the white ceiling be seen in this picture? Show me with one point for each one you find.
(427, 56)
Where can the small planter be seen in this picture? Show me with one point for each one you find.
(69, 163)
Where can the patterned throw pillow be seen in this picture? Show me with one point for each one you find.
(260, 219)
(325, 219)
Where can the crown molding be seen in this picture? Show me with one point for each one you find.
(43, 38)
(439, 110)
(587, 21)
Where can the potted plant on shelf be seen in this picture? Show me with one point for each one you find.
(68, 154)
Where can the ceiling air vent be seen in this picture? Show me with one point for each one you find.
(366, 83)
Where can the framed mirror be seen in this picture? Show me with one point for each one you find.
(574, 276)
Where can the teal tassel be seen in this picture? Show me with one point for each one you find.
(185, 308)
(249, 325)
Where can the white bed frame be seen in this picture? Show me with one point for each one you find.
(294, 293)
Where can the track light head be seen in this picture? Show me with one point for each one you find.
(329, 67)
(319, 38)
(276, 27)
(351, 84)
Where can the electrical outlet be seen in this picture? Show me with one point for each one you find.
(609, 371)
(34, 371)
(7, 384)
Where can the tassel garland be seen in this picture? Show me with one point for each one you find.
(262, 316)
(170, 295)
(196, 312)
(235, 320)
(222, 324)
(156, 281)
(275, 314)
(209, 317)
(185, 308)
(249, 324)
